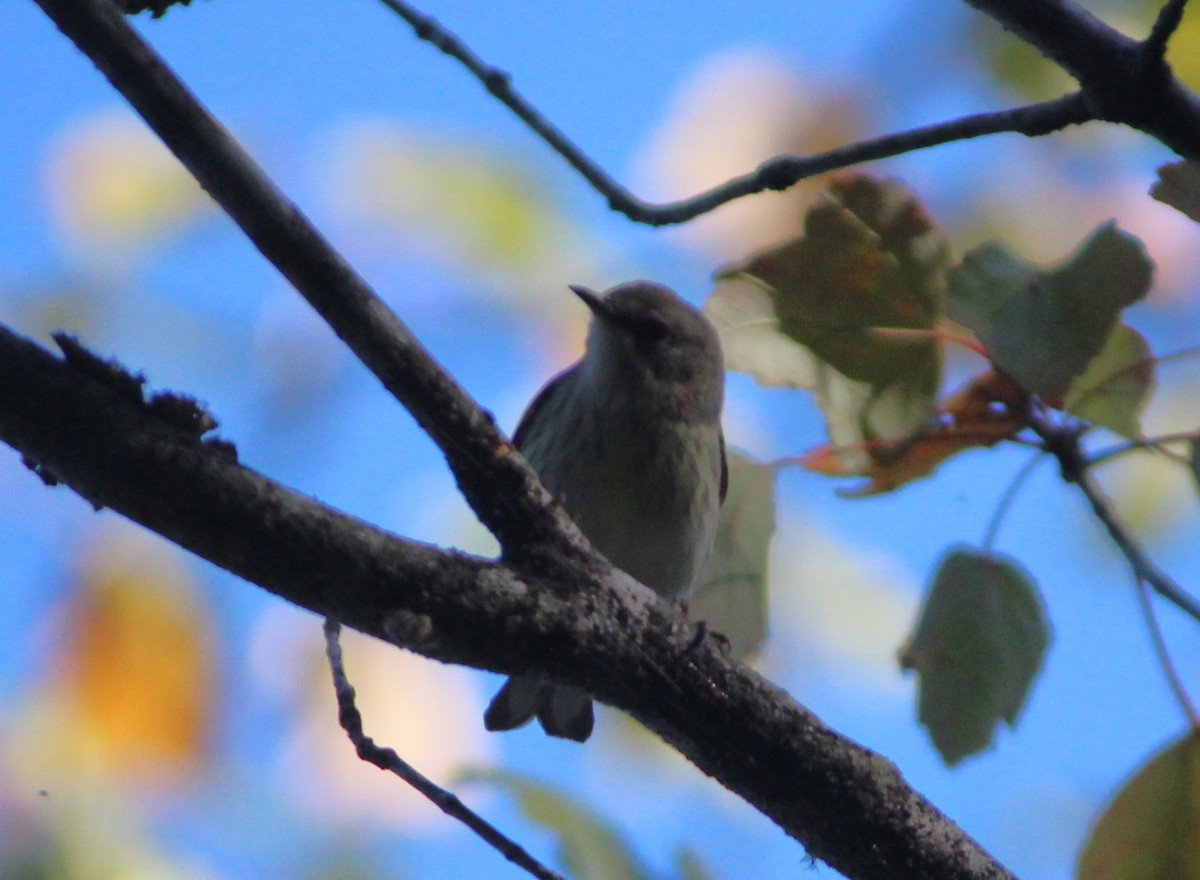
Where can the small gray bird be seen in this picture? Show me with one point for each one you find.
(629, 441)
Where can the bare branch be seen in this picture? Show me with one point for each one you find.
(1141, 564)
(1117, 82)
(387, 759)
(1154, 48)
(774, 174)
(510, 501)
(1063, 444)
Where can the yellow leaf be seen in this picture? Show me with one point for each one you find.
(457, 200)
(1150, 830)
(115, 188)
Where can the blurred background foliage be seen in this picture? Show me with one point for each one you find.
(159, 719)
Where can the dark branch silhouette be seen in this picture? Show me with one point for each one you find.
(1155, 47)
(778, 173)
(1063, 443)
(1122, 80)
(387, 759)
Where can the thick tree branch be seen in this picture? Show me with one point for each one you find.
(508, 500)
(848, 806)
(1123, 80)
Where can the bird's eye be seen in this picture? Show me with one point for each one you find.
(652, 330)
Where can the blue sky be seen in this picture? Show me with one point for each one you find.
(200, 310)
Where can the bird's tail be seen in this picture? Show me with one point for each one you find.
(563, 711)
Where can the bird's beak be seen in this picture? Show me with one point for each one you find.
(592, 300)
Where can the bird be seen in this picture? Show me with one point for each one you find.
(629, 441)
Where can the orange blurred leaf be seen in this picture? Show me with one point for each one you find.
(138, 664)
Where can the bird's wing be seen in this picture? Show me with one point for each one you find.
(537, 405)
(724, 467)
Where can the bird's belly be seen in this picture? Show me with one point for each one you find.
(661, 535)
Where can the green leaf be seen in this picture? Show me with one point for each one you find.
(870, 259)
(848, 309)
(691, 867)
(1151, 830)
(1044, 326)
(743, 312)
(588, 846)
(732, 597)
(1178, 185)
(459, 199)
(977, 649)
(1113, 390)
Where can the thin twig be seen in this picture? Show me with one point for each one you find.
(1142, 565)
(1154, 47)
(1010, 494)
(1153, 443)
(1063, 444)
(778, 173)
(1164, 656)
(387, 759)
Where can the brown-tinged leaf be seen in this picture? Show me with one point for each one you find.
(981, 414)
(849, 310)
(1178, 185)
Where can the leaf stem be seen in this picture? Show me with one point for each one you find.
(1164, 656)
(1010, 494)
(1157, 444)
